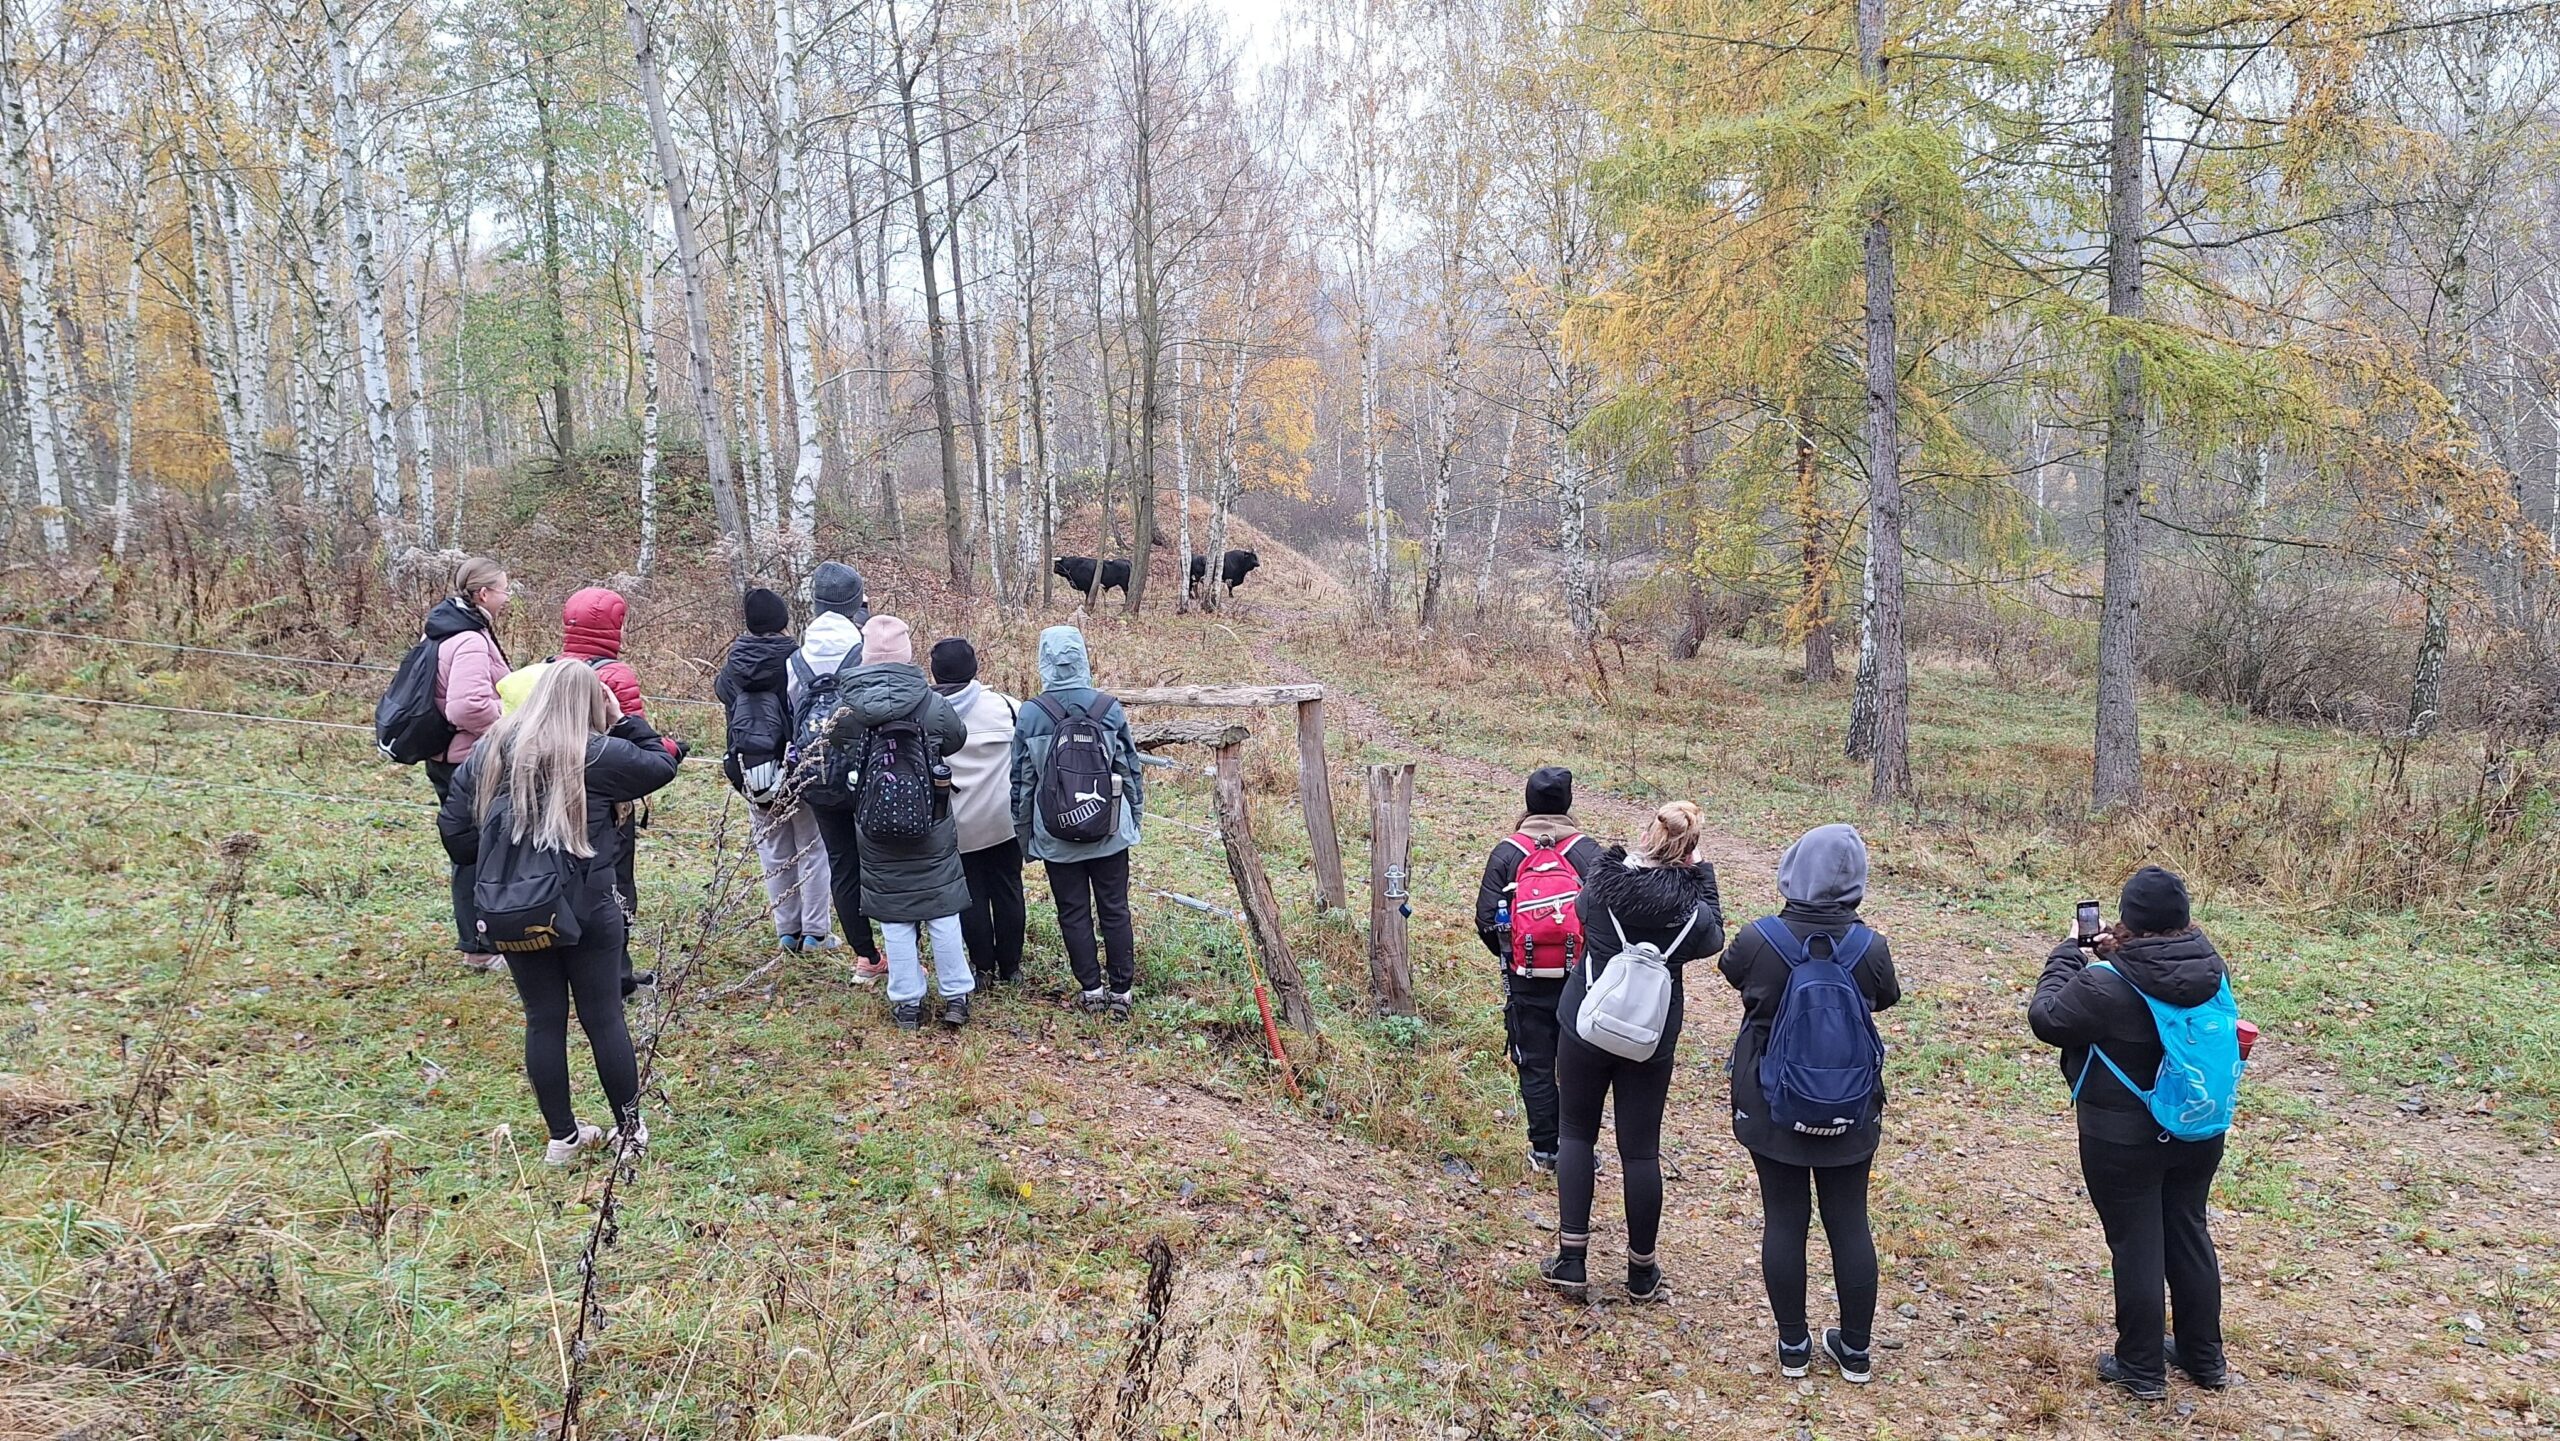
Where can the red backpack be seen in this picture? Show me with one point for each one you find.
(1546, 922)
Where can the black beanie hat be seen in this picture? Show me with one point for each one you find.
(766, 614)
(955, 661)
(1550, 791)
(2154, 903)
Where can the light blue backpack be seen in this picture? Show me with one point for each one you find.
(2198, 1087)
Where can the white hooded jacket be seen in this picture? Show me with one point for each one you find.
(982, 771)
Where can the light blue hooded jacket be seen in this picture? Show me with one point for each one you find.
(1067, 677)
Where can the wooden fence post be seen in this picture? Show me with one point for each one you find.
(1315, 797)
(1253, 889)
(1390, 856)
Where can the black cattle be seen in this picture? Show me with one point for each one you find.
(1232, 569)
(1083, 573)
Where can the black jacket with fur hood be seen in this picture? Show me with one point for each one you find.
(1644, 903)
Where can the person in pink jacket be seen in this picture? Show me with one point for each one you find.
(469, 662)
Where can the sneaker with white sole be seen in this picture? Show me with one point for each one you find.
(1853, 1365)
(639, 1138)
(581, 1142)
(1119, 1003)
(1795, 1358)
(1095, 1001)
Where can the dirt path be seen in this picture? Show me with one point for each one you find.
(2384, 1276)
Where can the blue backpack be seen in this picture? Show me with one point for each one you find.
(1824, 1065)
(2198, 1086)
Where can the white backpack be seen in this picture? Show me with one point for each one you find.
(1625, 1010)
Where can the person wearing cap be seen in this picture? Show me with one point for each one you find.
(1822, 878)
(916, 890)
(1531, 985)
(831, 645)
(2149, 1191)
(753, 688)
(982, 808)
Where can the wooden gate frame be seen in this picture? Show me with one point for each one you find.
(1315, 775)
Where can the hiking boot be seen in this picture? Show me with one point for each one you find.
(1853, 1364)
(1542, 1163)
(582, 1142)
(2140, 1388)
(1645, 1285)
(2212, 1378)
(1119, 1005)
(639, 1138)
(955, 1011)
(1095, 1001)
(907, 1015)
(1565, 1271)
(867, 970)
(1795, 1359)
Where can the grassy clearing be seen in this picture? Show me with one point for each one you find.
(328, 1217)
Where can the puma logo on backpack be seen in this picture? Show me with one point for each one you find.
(1824, 1065)
(525, 895)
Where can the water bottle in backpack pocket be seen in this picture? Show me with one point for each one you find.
(526, 894)
(2196, 1091)
(1824, 1064)
(1626, 1009)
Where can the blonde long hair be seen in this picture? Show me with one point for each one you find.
(537, 753)
(1671, 837)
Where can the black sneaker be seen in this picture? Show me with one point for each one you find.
(955, 1011)
(2140, 1388)
(1119, 1005)
(1853, 1364)
(1542, 1162)
(2212, 1378)
(1646, 1287)
(1095, 1001)
(1795, 1359)
(635, 980)
(907, 1015)
(1564, 1271)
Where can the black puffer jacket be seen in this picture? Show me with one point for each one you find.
(923, 881)
(625, 764)
(1644, 903)
(2078, 1006)
(754, 685)
(1756, 969)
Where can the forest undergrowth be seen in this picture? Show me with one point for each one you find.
(267, 1164)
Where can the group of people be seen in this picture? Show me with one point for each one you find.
(877, 793)
(1806, 1067)
(909, 796)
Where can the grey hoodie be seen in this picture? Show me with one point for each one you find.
(920, 882)
(1827, 866)
(1067, 678)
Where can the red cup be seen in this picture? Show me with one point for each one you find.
(2248, 1038)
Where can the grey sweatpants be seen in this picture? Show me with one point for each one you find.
(796, 878)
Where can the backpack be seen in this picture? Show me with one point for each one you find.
(1625, 1010)
(825, 770)
(1078, 793)
(408, 725)
(1824, 1065)
(526, 894)
(1546, 919)
(2197, 1089)
(894, 800)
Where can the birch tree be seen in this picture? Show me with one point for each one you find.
(363, 249)
(40, 371)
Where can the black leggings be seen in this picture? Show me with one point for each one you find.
(1585, 1077)
(590, 971)
(1786, 1206)
(465, 917)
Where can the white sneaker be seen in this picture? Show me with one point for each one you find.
(639, 1139)
(561, 1153)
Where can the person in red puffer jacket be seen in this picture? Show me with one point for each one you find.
(591, 634)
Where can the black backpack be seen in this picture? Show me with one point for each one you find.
(896, 785)
(824, 770)
(1078, 794)
(408, 725)
(526, 894)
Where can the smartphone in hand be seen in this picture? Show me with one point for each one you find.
(2085, 924)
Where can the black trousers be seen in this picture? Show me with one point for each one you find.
(992, 925)
(1086, 890)
(466, 936)
(1786, 1209)
(2150, 1199)
(844, 871)
(589, 973)
(1529, 1024)
(1586, 1077)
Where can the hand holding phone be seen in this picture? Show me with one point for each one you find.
(2085, 924)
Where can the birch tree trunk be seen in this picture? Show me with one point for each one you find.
(40, 371)
(697, 314)
(870, 287)
(809, 458)
(1573, 505)
(982, 452)
(216, 335)
(1501, 497)
(1435, 554)
(648, 281)
(129, 369)
(955, 514)
(1182, 506)
(2116, 775)
(248, 331)
(751, 403)
(373, 340)
(422, 441)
